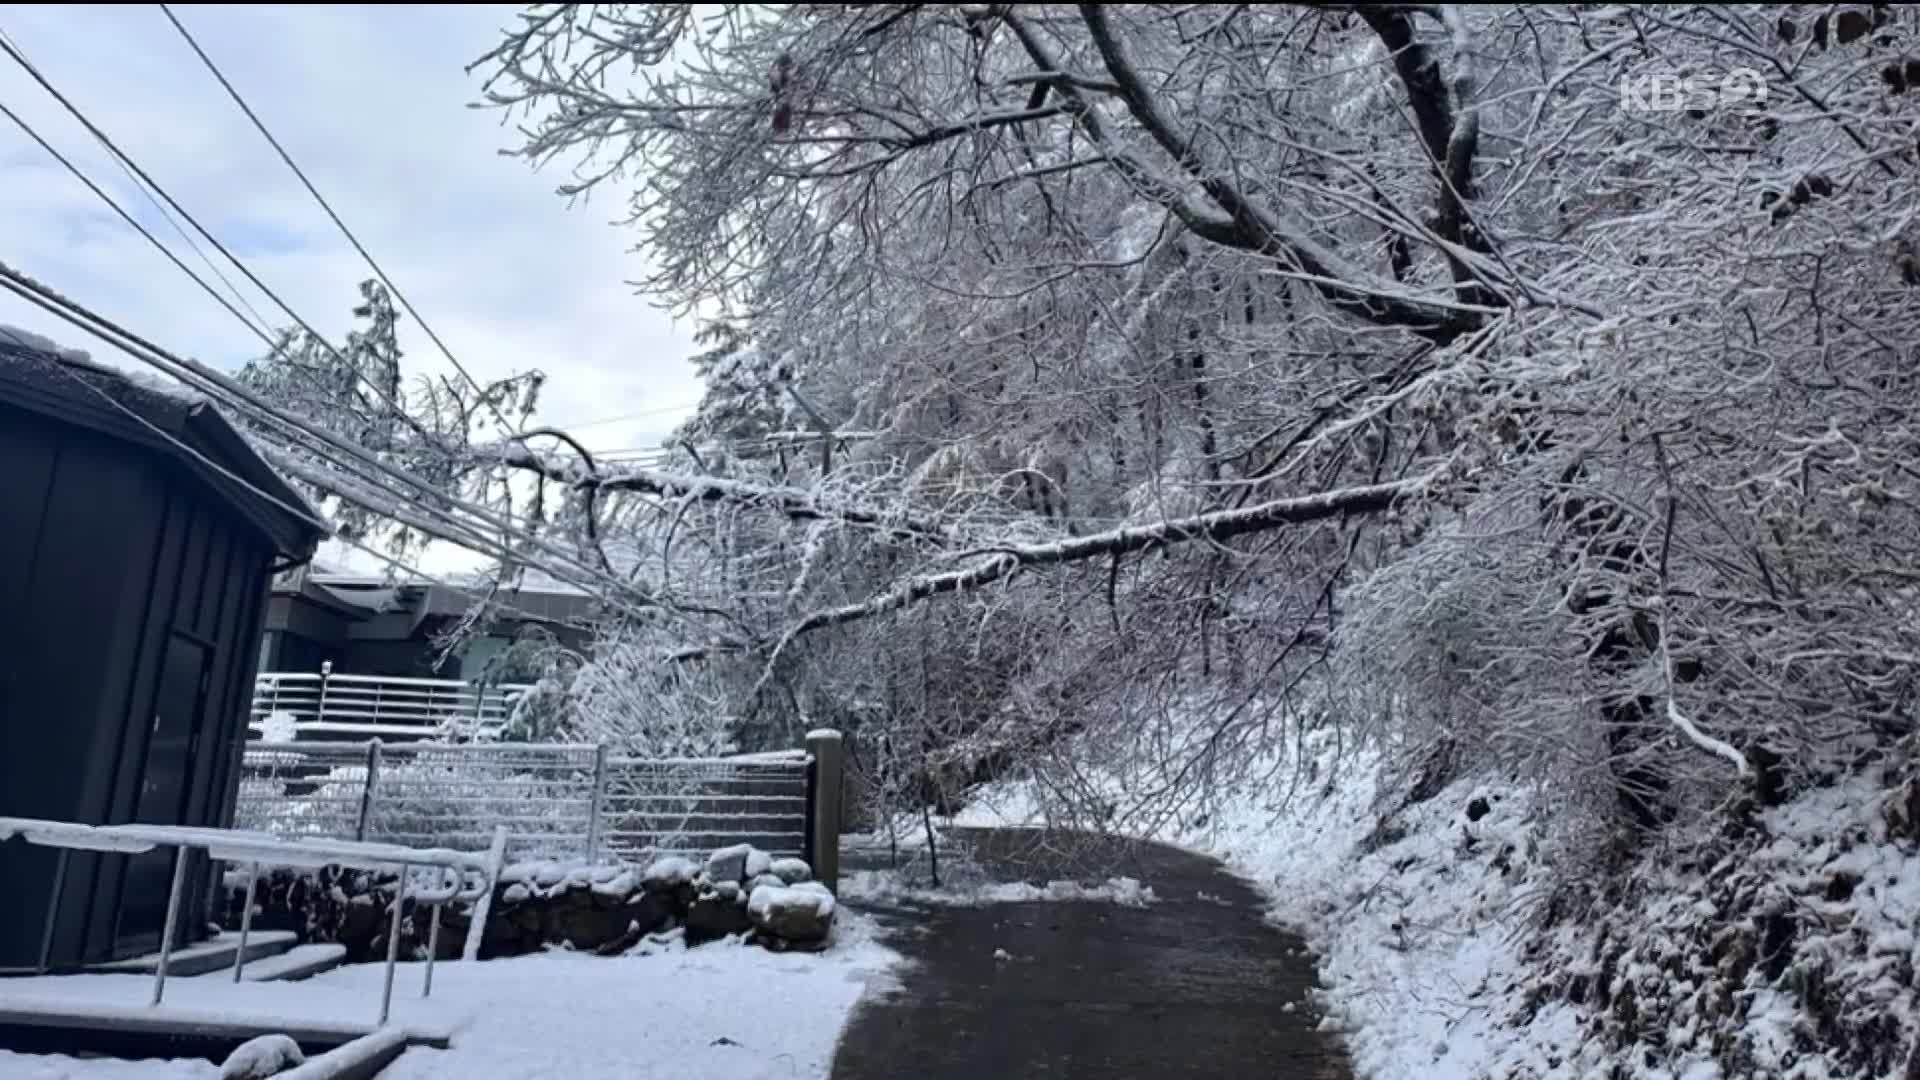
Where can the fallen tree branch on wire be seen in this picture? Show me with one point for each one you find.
(1216, 526)
(790, 502)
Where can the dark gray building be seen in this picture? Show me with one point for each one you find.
(138, 535)
(368, 626)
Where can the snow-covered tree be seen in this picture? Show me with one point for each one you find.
(1197, 351)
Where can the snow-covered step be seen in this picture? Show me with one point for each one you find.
(300, 962)
(210, 955)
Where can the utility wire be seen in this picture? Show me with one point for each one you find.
(259, 319)
(128, 163)
(660, 411)
(14, 53)
(124, 215)
(324, 205)
(473, 540)
(463, 533)
(175, 259)
(302, 512)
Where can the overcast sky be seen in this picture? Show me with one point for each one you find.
(371, 101)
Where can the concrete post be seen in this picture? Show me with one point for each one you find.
(829, 764)
(596, 803)
(367, 790)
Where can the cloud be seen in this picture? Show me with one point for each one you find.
(372, 102)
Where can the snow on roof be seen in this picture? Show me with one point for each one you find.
(169, 388)
(41, 343)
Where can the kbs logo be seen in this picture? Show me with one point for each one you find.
(1664, 92)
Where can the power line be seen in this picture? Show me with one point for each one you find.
(324, 205)
(142, 188)
(661, 411)
(470, 536)
(387, 502)
(463, 533)
(13, 52)
(128, 163)
(302, 512)
(5, 45)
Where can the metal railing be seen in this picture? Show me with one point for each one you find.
(465, 875)
(325, 706)
(559, 801)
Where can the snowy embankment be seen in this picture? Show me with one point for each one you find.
(724, 1009)
(1450, 948)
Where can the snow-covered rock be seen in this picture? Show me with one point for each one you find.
(729, 863)
(792, 871)
(619, 884)
(263, 1057)
(714, 916)
(765, 881)
(797, 913)
(667, 873)
(758, 862)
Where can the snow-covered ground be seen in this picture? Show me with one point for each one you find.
(58, 1067)
(883, 885)
(718, 1010)
(1784, 954)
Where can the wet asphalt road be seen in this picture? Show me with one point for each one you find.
(1195, 985)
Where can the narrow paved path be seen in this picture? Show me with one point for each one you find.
(1195, 985)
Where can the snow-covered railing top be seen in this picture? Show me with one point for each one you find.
(469, 875)
(235, 845)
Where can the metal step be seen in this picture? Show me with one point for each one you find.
(210, 955)
(300, 962)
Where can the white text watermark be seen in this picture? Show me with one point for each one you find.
(1737, 88)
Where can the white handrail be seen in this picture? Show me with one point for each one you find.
(471, 875)
(395, 680)
(400, 707)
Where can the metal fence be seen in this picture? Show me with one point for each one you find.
(321, 706)
(557, 801)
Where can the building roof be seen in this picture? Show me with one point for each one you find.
(176, 424)
(360, 598)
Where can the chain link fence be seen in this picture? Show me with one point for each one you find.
(557, 801)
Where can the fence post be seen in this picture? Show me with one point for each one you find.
(366, 791)
(326, 676)
(477, 923)
(828, 752)
(597, 805)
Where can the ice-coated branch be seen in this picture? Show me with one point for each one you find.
(1248, 225)
(1679, 719)
(1216, 526)
(790, 502)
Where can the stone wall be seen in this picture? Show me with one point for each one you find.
(604, 909)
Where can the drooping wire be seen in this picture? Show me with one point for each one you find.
(260, 126)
